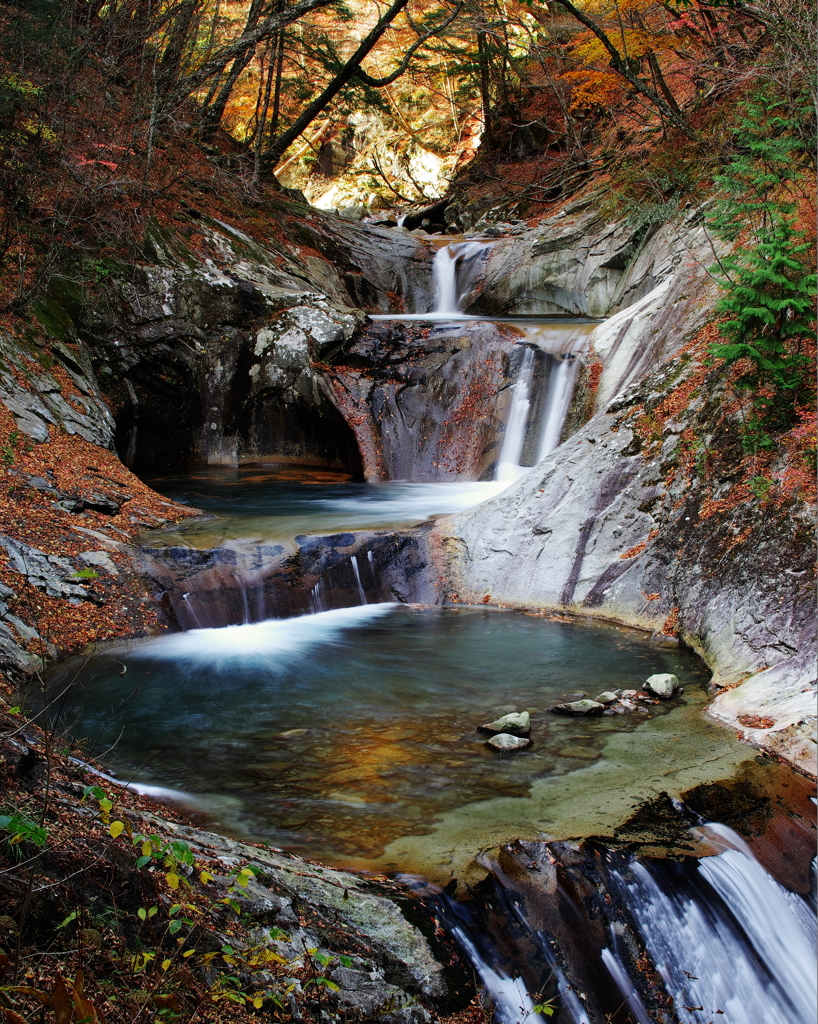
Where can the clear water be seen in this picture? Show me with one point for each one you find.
(261, 503)
(334, 734)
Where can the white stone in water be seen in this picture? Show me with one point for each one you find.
(517, 723)
(504, 741)
(606, 697)
(578, 707)
(663, 684)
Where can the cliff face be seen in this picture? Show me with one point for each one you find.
(206, 352)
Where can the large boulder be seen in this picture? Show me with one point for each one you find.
(516, 723)
(662, 684)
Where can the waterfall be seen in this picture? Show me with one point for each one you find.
(508, 468)
(361, 592)
(449, 291)
(558, 401)
(512, 1003)
(730, 941)
(317, 602)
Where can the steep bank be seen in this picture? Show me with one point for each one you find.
(236, 927)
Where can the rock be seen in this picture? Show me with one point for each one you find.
(606, 697)
(101, 559)
(516, 724)
(50, 573)
(578, 707)
(662, 684)
(504, 742)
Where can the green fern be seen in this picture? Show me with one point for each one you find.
(769, 282)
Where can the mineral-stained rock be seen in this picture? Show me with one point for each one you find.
(518, 724)
(662, 684)
(504, 742)
(578, 707)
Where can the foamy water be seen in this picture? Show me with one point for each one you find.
(274, 640)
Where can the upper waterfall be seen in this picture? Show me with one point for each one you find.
(450, 288)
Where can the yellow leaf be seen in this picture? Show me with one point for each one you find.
(116, 829)
(166, 964)
(205, 877)
(147, 848)
(189, 952)
(172, 879)
(258, 1002)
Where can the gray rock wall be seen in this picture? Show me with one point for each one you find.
(210, 351)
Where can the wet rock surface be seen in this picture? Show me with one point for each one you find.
(427, 403)
(516, 723)
(578, 707)
(505, 742)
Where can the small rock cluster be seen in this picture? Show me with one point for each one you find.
(513, 731)
(661, 686)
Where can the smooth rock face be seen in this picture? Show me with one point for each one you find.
(613, 525)
(607, 697)
(662, 684)
(518, 724)
(578, 707)
(218, 358)
(504, 741)
(426, 405)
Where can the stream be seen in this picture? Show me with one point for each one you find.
(350, 734)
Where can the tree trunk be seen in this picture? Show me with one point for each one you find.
(343, 78)
(483, 59)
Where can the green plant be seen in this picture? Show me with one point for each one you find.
(768, 280)
(761, 486)
(23, 829)
(9, 450)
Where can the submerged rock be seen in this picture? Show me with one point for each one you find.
(578, 707)
(518, 724)
(663, 684)
(504, 742)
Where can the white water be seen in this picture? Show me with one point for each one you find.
(558, 401)
(508, 467)
(277, 641)
(637, 1008)
(513, 1004)
(751, 957)
(402, 501)
(449, 293)
(560, 389)
(357, 571)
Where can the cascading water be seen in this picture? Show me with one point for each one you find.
(729, 940)
(558, 401)
(449, 290)
(361, 592)
(508, 467)
(725, 938)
